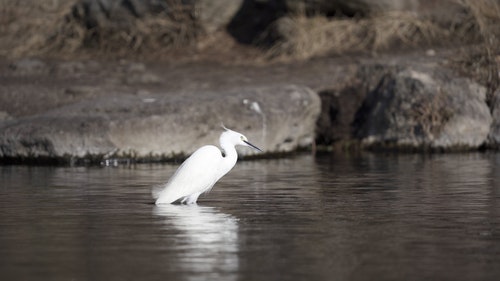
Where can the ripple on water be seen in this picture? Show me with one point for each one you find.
(325, 217)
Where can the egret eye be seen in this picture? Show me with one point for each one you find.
(242, 138)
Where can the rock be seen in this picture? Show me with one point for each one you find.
(494, 136)
(214, 15)
(4, 116)
(54, 137)
(70, 68)
(80, 91)
(340, 104)
(421, 107)
(338, 112)
(29, 66)
(164, 126)
(253, 19)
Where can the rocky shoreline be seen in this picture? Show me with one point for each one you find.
(91, 81)
(88, 111)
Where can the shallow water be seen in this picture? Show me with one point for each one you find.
(330, 217)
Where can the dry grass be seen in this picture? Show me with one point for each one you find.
(47, 27)
(431, 113)
(306, 37)
(151, 34)
(483, 62)
(25, 26)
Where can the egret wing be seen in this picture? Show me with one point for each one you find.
(196, 175)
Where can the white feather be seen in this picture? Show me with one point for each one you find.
(196, 175)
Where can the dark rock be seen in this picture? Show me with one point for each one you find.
(422, 107)
(338, 112)
(494, 136)
(415, 105)
(160, 126)
(253, 18)
(339, 106)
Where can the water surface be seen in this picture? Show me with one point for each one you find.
(327, 217)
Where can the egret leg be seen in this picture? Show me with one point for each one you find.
(191, 199)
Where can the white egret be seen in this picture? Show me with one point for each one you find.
(203, 169)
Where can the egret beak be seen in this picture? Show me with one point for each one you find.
(253, 146)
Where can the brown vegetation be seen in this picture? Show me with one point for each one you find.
(25, 28)
(301, 36)
(430, 114)
(306, 37)
(483, 62)
(54, 28)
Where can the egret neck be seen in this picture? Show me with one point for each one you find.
(230, 154)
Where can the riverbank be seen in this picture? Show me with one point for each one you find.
(91, 111)
(138, 81)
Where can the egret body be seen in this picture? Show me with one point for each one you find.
(203, 169)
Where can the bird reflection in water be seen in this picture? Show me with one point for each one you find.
(206, 240)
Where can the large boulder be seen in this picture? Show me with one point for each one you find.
(341, 102)
(163, 126)
(424, 107)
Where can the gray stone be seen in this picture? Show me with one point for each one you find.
(214, 15)
(159, 126)
(419, 107)
(29, 66)
(4, 116)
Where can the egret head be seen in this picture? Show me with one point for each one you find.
(245, 142)
(236, 138)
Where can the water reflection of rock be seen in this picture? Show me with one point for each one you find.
(206, 241)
